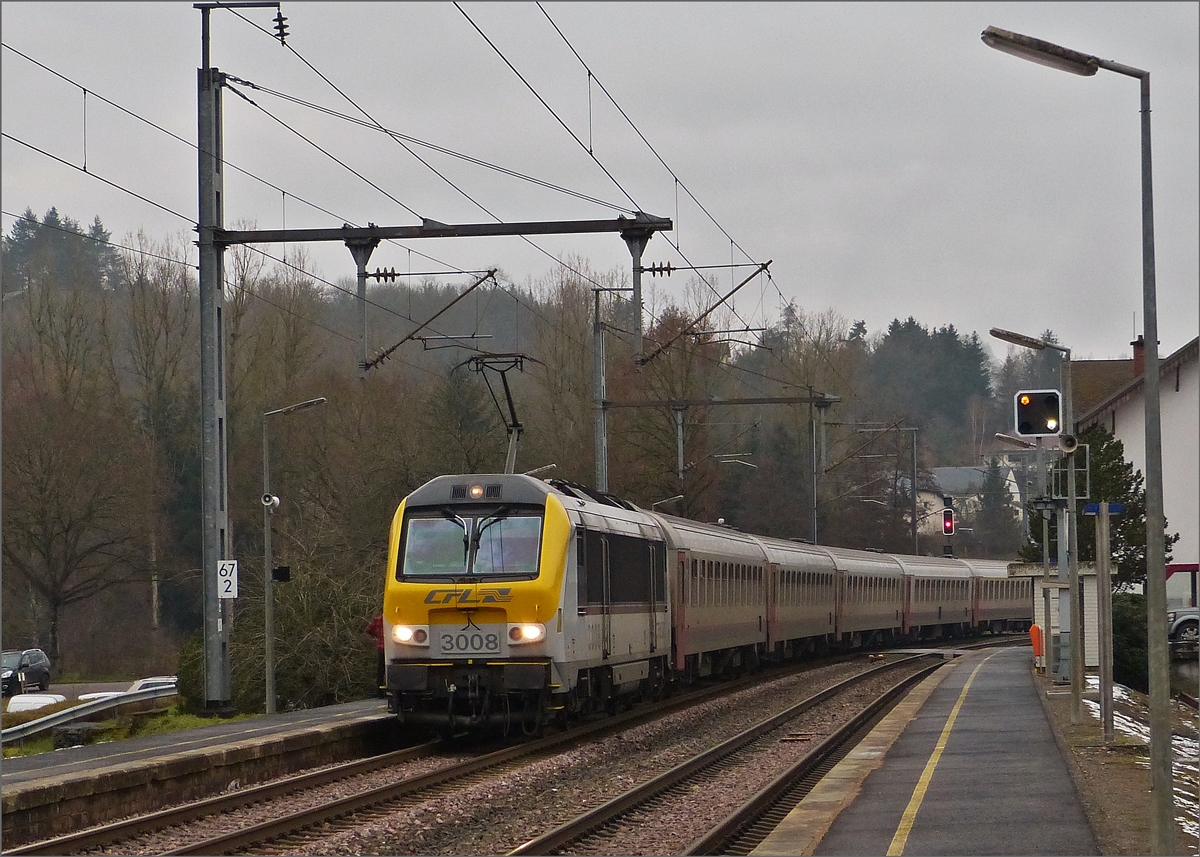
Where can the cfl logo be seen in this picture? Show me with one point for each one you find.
(466, 596)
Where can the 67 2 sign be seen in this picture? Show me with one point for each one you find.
(227, 578)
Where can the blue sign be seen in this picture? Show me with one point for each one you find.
(1113, 509)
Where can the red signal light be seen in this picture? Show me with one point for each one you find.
(947, 522)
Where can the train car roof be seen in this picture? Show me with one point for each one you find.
(791, 554)
(933, 566)
(862, 562)
(990, 567)
(686, 534)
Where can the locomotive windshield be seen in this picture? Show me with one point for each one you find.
(460, 542)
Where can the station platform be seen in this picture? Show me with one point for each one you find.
(966, 764)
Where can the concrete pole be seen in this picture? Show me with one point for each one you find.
(268, 576)
(600, 416)
(912, 490)
(1076, 593)
(1104, 605)
(215, 538)
(269, 503)
(679, 442)
(1162, 818)
(1065, 625)
(361, 250)
(812, 435)
(636, 240)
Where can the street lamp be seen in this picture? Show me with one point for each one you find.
(1075, 614)
(1162, 816)
(270, 502)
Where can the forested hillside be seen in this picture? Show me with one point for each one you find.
(101, 433)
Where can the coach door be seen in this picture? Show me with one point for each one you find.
(657, 587)
(606, 604)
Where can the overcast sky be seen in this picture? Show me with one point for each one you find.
(887, 161)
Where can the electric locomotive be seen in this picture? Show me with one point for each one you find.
(508, 601)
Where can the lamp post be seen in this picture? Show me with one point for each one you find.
(269, 502)
(1162, 816)
(912, 487)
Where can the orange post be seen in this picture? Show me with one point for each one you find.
(1037, 638)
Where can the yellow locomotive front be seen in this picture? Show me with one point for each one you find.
(472, 600)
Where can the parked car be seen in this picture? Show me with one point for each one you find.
(33, 701)
(24, 668)
(1183, 624)
(156, 681)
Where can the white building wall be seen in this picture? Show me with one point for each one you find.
(1179, 404)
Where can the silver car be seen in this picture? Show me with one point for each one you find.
(1183, 625)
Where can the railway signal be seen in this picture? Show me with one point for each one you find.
(947, 522)
(1038, 413)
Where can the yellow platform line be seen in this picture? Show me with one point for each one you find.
(914, 804)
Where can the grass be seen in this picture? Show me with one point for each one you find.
(142, 723)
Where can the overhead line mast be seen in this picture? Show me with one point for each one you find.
(361, 241)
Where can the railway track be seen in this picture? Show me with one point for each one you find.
(605, 829)
(110, 836)
(182, 830)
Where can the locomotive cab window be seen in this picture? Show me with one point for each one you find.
(494, 541)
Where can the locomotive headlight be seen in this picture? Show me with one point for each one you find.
(527, 632)
(410, 635)
(476, 492)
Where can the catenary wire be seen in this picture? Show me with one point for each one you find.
(376, 124)
(536, 95)
(470, 159)
(235, 167)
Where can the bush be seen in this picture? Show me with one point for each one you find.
(1130, 655)
(190, 671)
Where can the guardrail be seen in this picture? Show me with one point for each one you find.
(78, 712)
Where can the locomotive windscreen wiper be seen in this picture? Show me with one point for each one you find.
(499, 515)
(480, 525)
(449, 515)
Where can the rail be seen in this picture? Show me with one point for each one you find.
(17, 734)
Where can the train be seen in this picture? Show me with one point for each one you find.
(511, 602)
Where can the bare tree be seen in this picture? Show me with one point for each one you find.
(74, 493)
